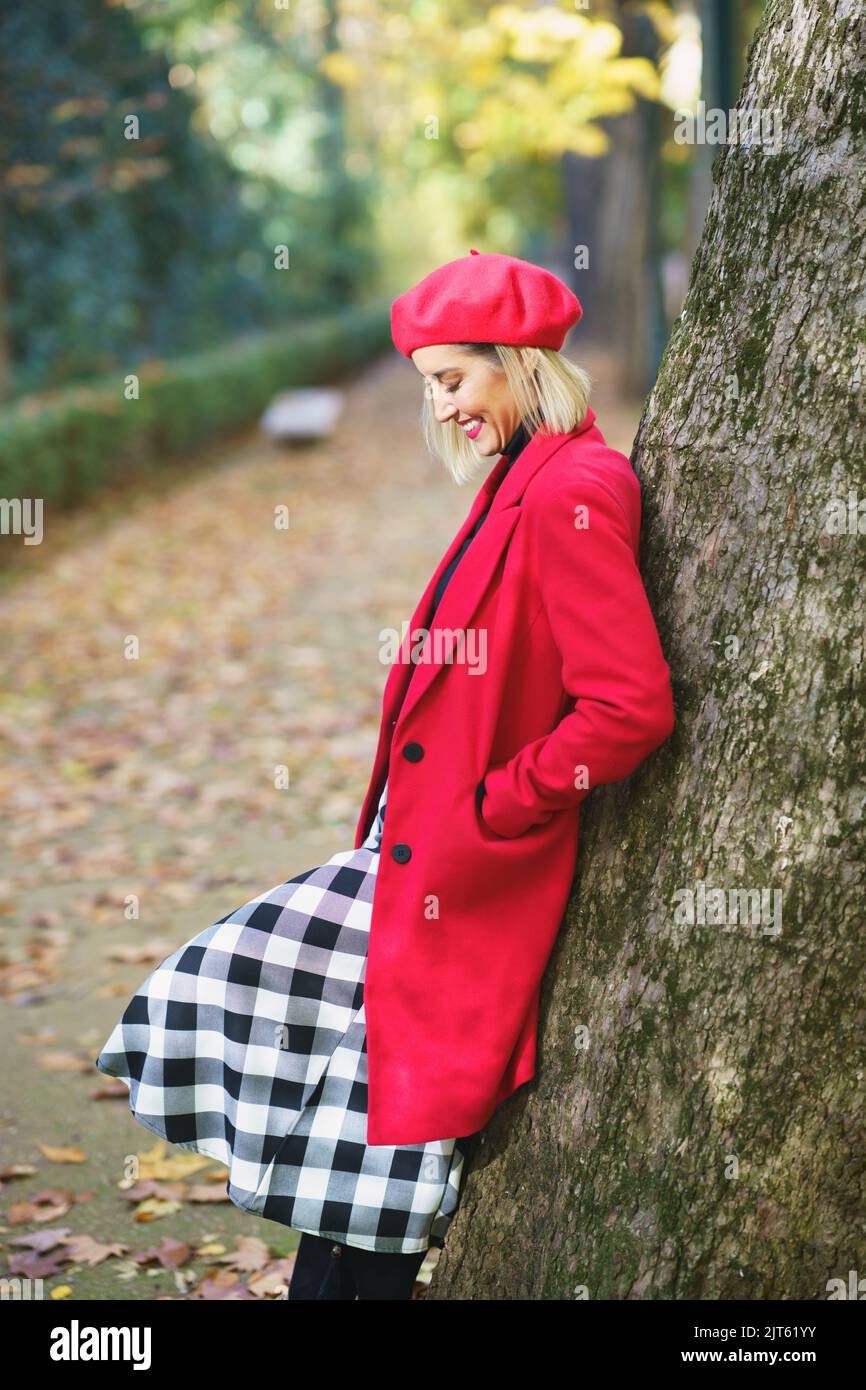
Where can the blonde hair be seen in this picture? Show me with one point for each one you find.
(550, 392)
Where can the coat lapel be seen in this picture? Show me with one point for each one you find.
(408, 680)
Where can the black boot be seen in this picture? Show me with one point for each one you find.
(381, 1274)
(320, 1271)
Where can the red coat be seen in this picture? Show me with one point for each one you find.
(571, 691)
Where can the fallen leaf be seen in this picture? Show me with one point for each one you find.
(85, 1250)
(152, 1209)
(274, 1280)
(141, 955)
(22, 1213)
(171, 1254)
(250, 1253)
(197, 1192)
(42, 1240)
(34, 1265)
(63, 1155)
(63, 1061)
(160, 1162)
(119, 1091)
(221, 1284)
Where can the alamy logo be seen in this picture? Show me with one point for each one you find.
(469, 644)
(855, 1288)
(714, 126)
(22, 516)
(13, 1286)
(732, 907)
(77, 1343)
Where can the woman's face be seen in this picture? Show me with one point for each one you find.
(470, 391)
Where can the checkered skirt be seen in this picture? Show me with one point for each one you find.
(248, 1044)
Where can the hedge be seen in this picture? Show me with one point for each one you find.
(63, 446)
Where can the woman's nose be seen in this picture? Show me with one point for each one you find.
(443, 409)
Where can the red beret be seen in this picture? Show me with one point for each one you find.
(485, 298)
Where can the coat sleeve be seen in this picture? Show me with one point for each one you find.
(612, 664)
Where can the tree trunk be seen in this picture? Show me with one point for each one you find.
(702, 1138)
(628, 250)
(721, 74)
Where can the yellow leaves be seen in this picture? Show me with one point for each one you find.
(601, 42)
(531, 83)
(73, 770)
(667, 21)
(637, 73)
(539, 35)
(548, 35)
(153, 1208)
(481, 72)
(525, 83)
(589, 140)
(469, 135)
(60, 1154)
(341, 69)
(157, 1163)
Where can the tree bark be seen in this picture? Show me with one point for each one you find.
(707, 1140)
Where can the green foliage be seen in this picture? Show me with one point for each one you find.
(120, 249)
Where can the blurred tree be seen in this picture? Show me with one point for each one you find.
(697, 1137)
(111, 241)
(119, 248)
(628, 243)
(722, 67)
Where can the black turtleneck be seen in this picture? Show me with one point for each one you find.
(516, 444)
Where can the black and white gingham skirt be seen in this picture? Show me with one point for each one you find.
(248, 1044)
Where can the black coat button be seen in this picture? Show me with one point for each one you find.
(414, 752)
(401, 853)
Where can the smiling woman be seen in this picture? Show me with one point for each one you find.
(476, 395)
(338, 1040)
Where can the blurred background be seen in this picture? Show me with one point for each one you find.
(176, 173)
(205, 210)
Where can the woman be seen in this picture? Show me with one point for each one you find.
(339, 1040)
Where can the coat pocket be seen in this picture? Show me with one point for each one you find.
(482, 802)
(505, 821)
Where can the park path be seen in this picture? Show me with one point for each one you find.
(153, 779)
